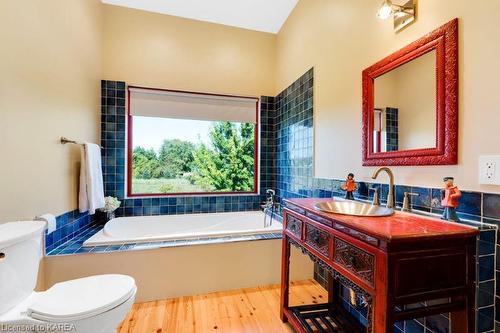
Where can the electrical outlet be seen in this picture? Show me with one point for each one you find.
(488, 169)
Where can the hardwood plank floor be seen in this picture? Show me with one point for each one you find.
(250, 310)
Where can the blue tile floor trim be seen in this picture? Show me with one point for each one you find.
(75, 245)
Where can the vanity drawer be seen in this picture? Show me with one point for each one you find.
(355, 260)
(294, 225)
(319, 219)
(295, 208)
(318, 239)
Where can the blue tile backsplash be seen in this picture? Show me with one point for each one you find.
(286, 165)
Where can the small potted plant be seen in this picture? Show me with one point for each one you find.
(110, 205)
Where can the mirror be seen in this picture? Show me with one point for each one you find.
(404, 114)
(410, 103)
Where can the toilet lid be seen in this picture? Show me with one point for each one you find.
(82, 298)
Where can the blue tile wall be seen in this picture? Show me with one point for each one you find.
(392, 129)
(294, 179)
(113, 140)
(267, 144)
(294, 138)
(113, 134)
(68, 225)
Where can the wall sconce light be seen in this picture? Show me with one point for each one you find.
(403, 15)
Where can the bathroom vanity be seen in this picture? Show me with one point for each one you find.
(394, 263)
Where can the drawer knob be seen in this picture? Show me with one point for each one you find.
(2, 255)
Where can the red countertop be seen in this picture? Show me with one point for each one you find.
(400, 226)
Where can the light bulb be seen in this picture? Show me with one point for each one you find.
(385, 10)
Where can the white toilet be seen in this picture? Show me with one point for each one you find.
(95, 304)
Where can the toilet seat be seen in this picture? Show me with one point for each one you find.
(82, 298)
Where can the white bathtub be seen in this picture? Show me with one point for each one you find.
(145, 229)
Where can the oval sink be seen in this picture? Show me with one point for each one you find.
(353, 208)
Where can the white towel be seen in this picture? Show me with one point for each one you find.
(51, 222)
(91, 195)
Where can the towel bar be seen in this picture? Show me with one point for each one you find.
(65, 140)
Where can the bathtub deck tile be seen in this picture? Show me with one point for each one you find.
(144, 246)
(83, 250)
(98, 248)
(113, 248)
(125, 247)
(74, 245)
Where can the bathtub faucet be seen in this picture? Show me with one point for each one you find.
(267, 206)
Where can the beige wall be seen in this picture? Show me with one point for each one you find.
(417, 103)
(53, 60)
(50, 65)
(185, 270)
(411, 89)
(162, 51)
(342, 37)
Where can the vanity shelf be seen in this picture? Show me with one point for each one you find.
(325, 318)
(391, 262)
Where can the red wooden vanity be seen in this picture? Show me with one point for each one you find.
(394, 262)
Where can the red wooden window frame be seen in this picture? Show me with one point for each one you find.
(444, 41)
(130, 150)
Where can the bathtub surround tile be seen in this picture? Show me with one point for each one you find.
(75, 246)
(294, 120)
(267, 144)
(68, 226)
(113, 133)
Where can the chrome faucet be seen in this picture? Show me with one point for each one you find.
(268, 205)
(390, 195)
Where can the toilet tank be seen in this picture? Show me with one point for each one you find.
(20, 253)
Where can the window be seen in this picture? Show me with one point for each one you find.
(191, 143)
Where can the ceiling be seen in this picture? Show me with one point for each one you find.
(260, 15)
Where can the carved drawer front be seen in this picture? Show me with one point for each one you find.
(354, 260)
(319, 219)
(294, 225)
(318, 239)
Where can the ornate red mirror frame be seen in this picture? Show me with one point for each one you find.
(444, 41)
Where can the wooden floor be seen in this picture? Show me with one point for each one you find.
(251, 310)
